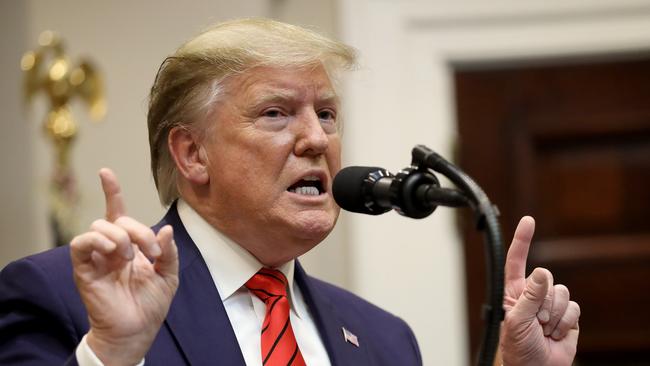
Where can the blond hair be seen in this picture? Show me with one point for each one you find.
(190, 81)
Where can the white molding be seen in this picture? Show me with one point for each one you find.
(466, 15)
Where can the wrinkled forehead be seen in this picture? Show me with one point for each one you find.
(290, 83)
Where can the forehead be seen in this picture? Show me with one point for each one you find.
(284, 82)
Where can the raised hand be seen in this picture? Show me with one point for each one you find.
(541, 323)
(127, 277)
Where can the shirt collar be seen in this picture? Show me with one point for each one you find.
(229, 264)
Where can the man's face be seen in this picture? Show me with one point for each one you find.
(272, 152)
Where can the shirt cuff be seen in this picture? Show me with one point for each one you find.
(86, 356)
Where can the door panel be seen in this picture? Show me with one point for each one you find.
(569, 143)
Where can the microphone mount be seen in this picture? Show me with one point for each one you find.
(486, 217)
(408, 187)
(415, 192)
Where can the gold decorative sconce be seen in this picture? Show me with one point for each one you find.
(48, 69)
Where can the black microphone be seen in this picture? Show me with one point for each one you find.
(374, 191)
(354, 189)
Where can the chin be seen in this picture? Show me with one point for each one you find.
(314, 227)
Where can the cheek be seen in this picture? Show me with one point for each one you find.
(262, 162)
(270, 154)
(334, 155)
(257, 150)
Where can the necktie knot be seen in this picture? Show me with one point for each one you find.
(268, 284)
(278, 343)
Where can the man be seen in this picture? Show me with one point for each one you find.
(244, 144)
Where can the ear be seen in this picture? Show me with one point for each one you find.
(189, 155)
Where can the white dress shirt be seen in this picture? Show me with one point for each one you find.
(231, 266)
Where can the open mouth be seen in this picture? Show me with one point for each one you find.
(308, 186)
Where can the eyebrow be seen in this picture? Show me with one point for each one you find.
(279, 95)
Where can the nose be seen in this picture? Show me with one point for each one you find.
(311, 139)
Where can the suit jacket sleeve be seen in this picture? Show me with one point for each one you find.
(37, 326)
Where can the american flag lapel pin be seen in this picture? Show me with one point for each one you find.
(350, 337)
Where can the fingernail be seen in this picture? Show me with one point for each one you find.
(539, 277)
(543, 315)
(155, 250)
(556, 334)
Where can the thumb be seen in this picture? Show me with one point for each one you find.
(534, 294)
(167, 263)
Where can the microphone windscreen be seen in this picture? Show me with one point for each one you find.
(348, 188)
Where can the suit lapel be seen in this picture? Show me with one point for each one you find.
(197, 318)
(330, 324)
(198, 321)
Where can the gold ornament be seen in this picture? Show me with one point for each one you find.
(47, 69)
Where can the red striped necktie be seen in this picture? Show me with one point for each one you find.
(279, 345)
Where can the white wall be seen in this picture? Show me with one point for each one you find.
(16, 147)
(403, 96)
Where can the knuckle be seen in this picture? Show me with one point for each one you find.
(89, 238)
(575, 307)
(149, 234)
(126, 223)
(123, 237)
(134, 227)
(570, 318)
(76, 241)
(94, 236)
(557, 314)
(564, 324)
(97, 224)
(562, 290)
(123, 220)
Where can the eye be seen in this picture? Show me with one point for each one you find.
(273, 113)
(273, 118)
(327, 115)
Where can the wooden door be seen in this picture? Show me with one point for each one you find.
(569, 143)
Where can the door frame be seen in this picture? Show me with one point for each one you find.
(403, 95)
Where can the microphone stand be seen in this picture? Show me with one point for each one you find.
(418, 204)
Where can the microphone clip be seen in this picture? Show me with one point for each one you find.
(409, 187)
(417, 189)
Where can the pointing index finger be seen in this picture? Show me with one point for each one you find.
(516, 260)
(113, 195)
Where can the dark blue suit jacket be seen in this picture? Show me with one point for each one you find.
(42, 318)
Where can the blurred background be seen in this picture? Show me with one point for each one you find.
(545, 104)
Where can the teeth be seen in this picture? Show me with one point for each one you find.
(309, 191)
